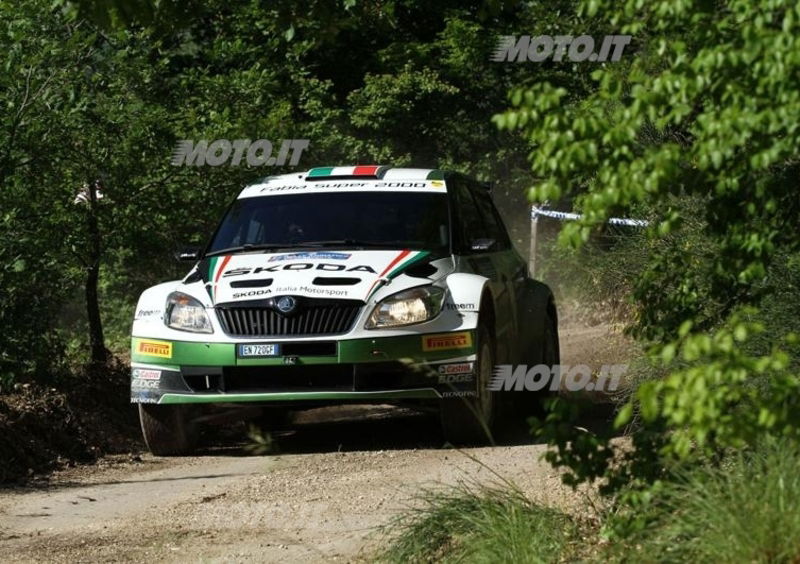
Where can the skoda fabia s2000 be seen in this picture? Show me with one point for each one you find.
(363, 284)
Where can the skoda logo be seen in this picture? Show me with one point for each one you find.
(286, 304)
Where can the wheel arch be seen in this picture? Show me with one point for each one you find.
(471, 292)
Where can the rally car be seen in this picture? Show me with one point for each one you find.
(343, 285)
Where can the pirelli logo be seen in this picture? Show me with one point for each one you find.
(161, 349)
(447, 341)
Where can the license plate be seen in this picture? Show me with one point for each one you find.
(259, 350)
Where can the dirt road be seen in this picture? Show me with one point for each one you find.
(340, 475)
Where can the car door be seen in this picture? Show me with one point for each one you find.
(482, 249)
(504, 260)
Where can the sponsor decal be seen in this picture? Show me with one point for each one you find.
(456, 378)
(460, 394)
(446, 341)
(161, 349)
(137, 384)
(318, 255)
(250, 294)
(456, 373)
(437, 183)
(456, 368)
(284, 188)
(348, 184)
(144, 397)
(144, 374)
(148, 313)
(311, 290)
(315, 185)
(401, 185)
(299, 266)
(458, 307)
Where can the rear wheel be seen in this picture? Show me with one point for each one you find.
(541, 349)
(469, 420)
(169, 430)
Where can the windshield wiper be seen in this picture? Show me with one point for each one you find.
(250, 247)
(247, 247)
(343, 242)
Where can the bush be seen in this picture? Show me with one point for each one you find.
(465, 524)
(747, 509)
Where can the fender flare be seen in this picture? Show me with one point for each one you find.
(150, 306)
(467, 290)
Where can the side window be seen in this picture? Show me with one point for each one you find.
(470, 225)
(491, 219)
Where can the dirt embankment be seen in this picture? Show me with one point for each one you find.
(43, 429)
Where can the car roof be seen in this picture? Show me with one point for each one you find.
(351, 179)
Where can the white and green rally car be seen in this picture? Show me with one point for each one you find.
(343, 285)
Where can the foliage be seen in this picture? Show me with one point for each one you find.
(470, 524)
(744, 510)
(102, 91)
(711, 116)
(702, 109)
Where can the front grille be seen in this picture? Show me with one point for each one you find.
(314, 317)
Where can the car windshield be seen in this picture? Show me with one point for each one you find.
(415, 220)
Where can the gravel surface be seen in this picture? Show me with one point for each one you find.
(342, 473)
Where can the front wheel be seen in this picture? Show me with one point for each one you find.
(468, 420)
(169, 430)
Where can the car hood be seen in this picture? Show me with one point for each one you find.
(345, 274)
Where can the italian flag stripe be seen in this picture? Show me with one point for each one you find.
(362, 170)
(394, 271)
(211, 264)
(365, 170)
(416, 258)
(397, 259)
(320, 171)
(225, 261)
(218, 273)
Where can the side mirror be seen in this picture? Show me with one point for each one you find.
(482, 244)
(188, 254)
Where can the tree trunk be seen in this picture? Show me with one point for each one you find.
(96, 339)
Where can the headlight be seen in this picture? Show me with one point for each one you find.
(186, 314)
(404, 308)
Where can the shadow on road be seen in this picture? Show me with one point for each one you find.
(371, 428)
(325, 430)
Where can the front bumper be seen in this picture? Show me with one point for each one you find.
(420, 366)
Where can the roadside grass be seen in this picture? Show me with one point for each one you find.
(744, 510)
(479, 524)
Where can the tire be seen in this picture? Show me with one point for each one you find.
(168, 430)
(551, 349)
(538, 346)
(470, 420)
